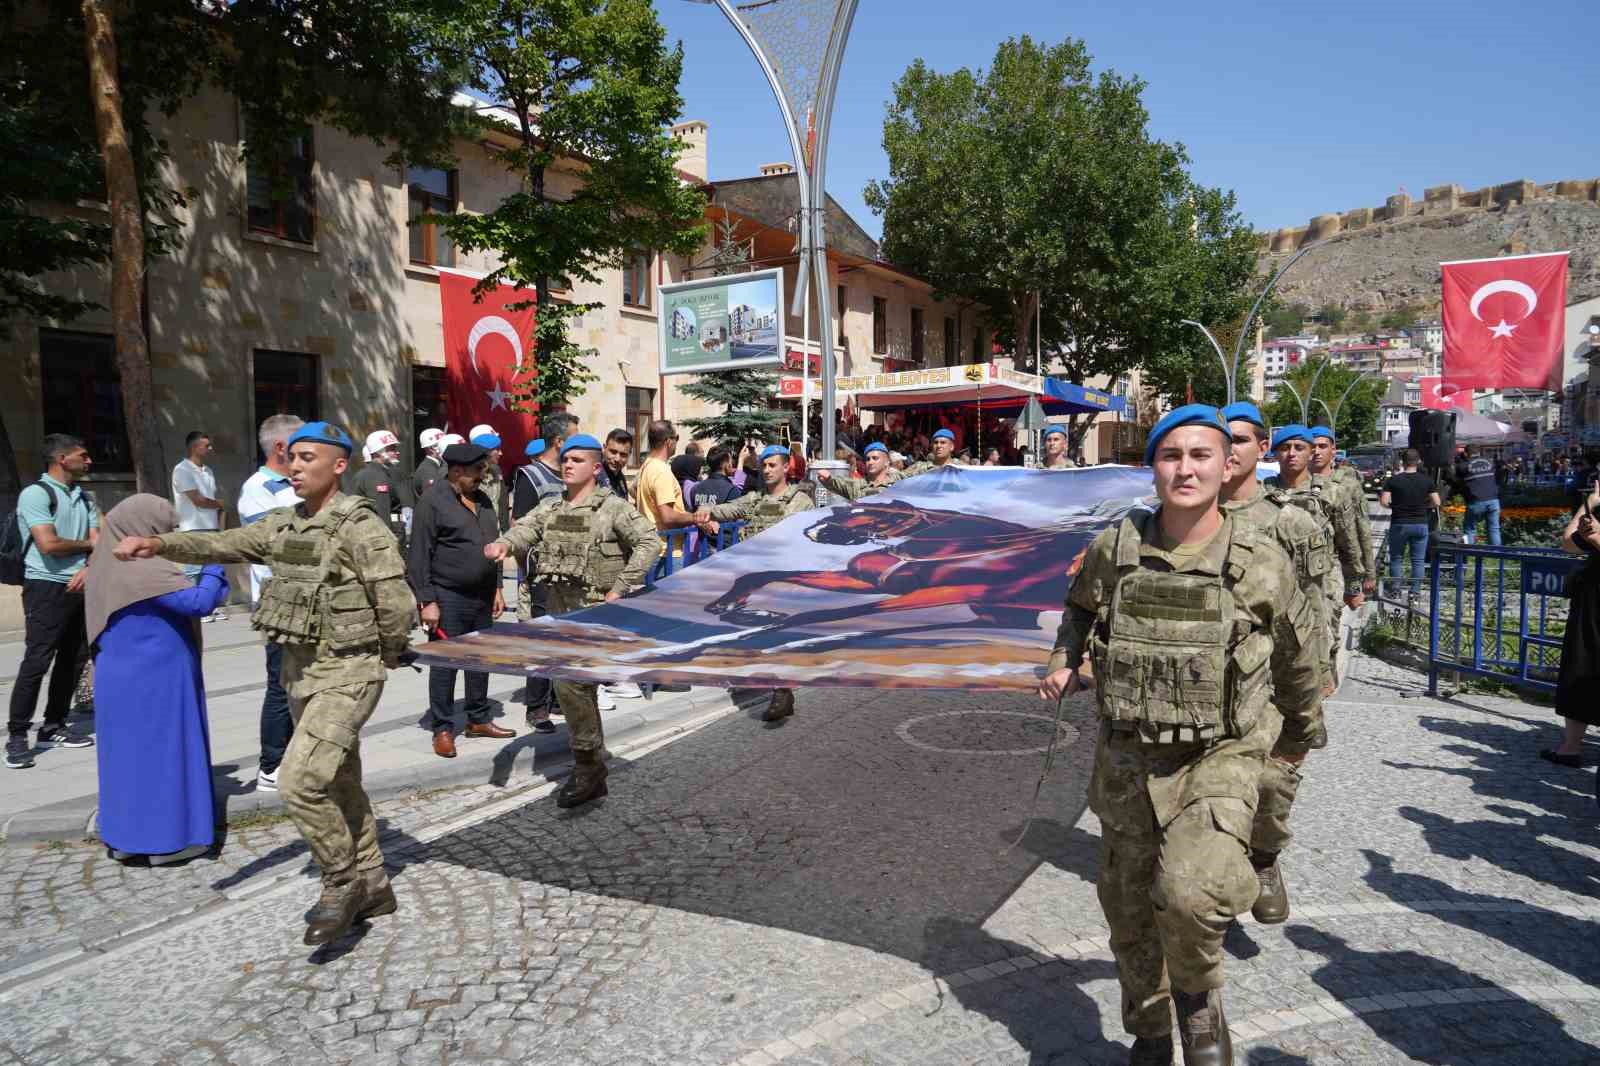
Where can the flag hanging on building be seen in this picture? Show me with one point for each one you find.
(1439, 396)
(1504, 320)
(486, 346)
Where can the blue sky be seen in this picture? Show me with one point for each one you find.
(1299, 108)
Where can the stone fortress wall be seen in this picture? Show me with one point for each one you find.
(1438, 201)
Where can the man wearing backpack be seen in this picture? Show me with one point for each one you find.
(58, 524)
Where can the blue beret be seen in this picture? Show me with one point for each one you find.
(487, 440)
(1244, 411)
(1192, 414)
(1290, 432)
(875, 446)
(773, 449)
(1322, 431)
(534, 448)
(944, 434)
(323, 433)
(579, 442)
(1054, 429)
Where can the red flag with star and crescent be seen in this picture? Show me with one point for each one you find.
(1503, 321)
(486, 347)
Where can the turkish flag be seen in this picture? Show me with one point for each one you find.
(1438, 396)
(1503, 321)
(486, 348)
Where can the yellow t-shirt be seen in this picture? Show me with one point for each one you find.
(657, 486)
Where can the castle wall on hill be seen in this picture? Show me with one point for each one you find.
(1437, 201)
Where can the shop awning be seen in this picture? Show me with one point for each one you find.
(994, 388)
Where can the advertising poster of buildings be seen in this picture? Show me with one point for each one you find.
(722, 323)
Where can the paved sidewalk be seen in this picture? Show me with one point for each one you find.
(55, 799)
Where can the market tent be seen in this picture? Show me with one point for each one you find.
(994, 388)
(1475, 429)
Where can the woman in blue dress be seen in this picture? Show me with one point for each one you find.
(156, 797)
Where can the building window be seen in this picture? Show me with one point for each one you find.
(880, 325)
(635, 281)
(841, 302)
(82, 395)
(283, 202)
(916, 336)
(639, 415)
(430, 191)
(285, 384)
(949, 353)
(429, 399)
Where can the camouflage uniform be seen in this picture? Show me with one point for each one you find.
(339, 605)
(1307, 547)
(852, 489)
(763, 510)
(581, 551)
(1350, 478)
(926, 465)
(1329, 507)
(1191, 649)
(494, 487)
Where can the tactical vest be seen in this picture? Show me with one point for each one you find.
(770, 511)
(1312, 557)
(1173, 651)
(574, 549)
(306, 602)
(1313, 500)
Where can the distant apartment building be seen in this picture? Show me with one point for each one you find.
(1428, 335)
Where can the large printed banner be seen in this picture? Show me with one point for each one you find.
(950, 580)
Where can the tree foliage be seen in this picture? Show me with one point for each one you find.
(1038, 180)
(1285, 320)
(588, 80)
(1358, 415)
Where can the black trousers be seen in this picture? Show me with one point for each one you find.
(277, 725)
(53, 627)
(459, 613)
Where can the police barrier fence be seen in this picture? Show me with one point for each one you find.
(687, 546)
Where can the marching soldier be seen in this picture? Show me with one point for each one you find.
(763, 510)
(1055, 449)
(588, 547)
(880, 475)
(1307, 546)
(382, 482)
(1192, 623)
(1349, 482)
(339, 604)
(944, 449)
(1342, 584)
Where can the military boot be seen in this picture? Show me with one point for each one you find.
(781, 707)
(587, 781)
(336, 911)
(1151, 1051)
(1203, 1028)
(380, 896)
(1272, 904)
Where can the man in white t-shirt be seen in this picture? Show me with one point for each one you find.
(264, 492)
(194, 487)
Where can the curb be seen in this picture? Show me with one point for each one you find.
(478, 764)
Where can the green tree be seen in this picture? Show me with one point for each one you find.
(1358, 414)
(745, 394)
(1284, 321)
(1332, 315)
(1401, 317)
(1036, 186)
(585, 82)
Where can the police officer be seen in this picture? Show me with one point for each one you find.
(1308, 547)
(1192, 623)
(943, 444)
(1354, 494)
(431, 468)
(880, 475)
(382, 482)
(763, 510)
(1055, 449)
(587, 547)
(1342, 585)
(339, 604)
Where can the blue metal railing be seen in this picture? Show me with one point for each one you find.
(1474, 588)
(685, 547)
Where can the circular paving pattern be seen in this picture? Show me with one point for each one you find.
(996, 732)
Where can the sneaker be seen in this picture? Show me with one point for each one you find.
(266, 782)
(603, 700)
(623, 690)
(58, 736)
(219, 615)
(19, 756)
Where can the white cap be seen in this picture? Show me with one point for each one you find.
(379, 440)
(429, 438)
(451, 438)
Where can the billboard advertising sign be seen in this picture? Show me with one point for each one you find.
(723, 323)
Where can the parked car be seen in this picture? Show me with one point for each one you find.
(1374, 470)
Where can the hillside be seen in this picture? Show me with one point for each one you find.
(1383, 263)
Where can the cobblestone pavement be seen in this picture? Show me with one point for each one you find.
(861, 885)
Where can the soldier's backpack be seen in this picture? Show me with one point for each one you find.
(14, 544)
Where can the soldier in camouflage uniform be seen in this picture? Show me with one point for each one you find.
(1055, 443)
(588, 547)
(880, 475)
(1192, 621)
(339, 605)
(1348, 481)
(1303, 540)
(944, 448)
(763, 510)
(1342, 585)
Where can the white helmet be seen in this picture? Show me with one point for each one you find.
(429, 438)
(480, 430)
(379, 440)
(449, 439)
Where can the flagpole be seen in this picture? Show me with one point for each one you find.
(805, 379)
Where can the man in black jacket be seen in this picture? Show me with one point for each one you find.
(458, 590)
(1476, 482)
